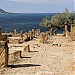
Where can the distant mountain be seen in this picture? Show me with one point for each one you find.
(3, 11)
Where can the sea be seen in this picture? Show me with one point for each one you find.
(23, 22)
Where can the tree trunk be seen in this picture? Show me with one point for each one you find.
(50, 31)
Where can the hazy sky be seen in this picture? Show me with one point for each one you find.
(37, 6)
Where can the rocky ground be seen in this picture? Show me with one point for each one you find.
(55, 57)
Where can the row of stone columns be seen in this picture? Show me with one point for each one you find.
(31, 34)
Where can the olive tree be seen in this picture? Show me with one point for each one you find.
(58, 20)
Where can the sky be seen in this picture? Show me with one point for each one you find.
(37, 6)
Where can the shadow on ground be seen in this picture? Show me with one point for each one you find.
(24, 57)
(23, 65)
(34, 51)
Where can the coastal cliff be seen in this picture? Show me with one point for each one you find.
(3, 11)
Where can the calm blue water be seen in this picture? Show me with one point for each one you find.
(24, 22)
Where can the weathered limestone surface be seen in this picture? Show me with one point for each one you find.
(47, 35)
(65, 29)
(15, 32)
(71, 34)
(3, 54)
(38, 32)
(42, 38)
(50, 31)
(27, 48)
(33, 31)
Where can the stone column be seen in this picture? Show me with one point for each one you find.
(50, 31)
(5, 33)
(30, 34)
(65, 29)
(14, 32)
(26, 36)
(6, 54)
(42, 38)
(0, 33)
(21, 34)
(67, 34)
(71, 28)
(33, 31)
(47, 35)
(38, 32)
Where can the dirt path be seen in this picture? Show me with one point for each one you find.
(45, 59)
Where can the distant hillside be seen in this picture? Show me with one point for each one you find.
(2, 11)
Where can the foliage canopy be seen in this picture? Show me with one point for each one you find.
(59, 19)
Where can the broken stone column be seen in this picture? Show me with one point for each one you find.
(17, 54)
(33, 32)
(21, 34)
(47, 35)
(14, 56)
(5, 33)
(0, 33)
(65, 29)
(71, 28)
(50, 31)
(15, 32)
(4, 54)
(42, 38)
(73, 33)
(38, 32)
(31, 35)
(27, 48)
(67, 34)
(26, 36)
(4, 37)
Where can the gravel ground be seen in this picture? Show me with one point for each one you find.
(55, 57)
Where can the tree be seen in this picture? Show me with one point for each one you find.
(46, 22)
(58, 20)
